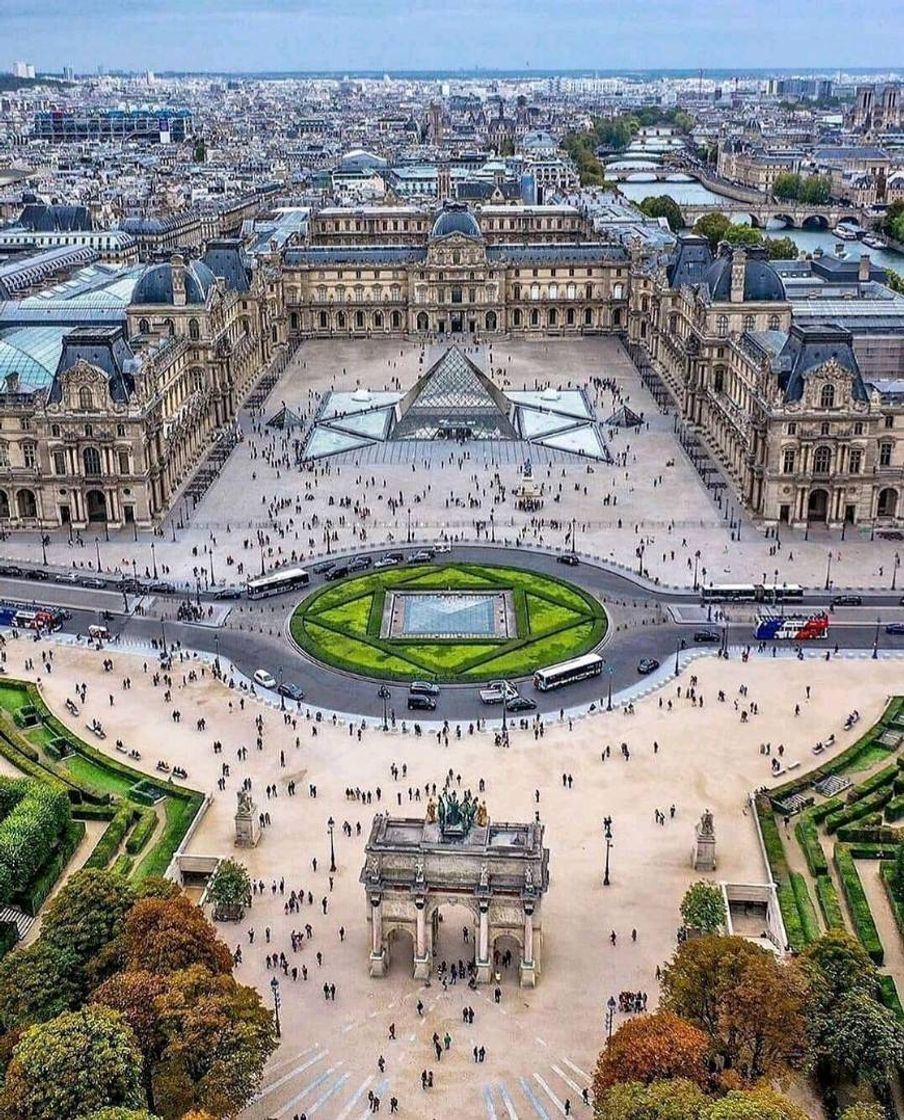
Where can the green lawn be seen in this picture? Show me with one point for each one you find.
(555, 621)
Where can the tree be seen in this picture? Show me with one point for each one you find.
(230, 889)
(895, 281)
(712, 227)
(677, 1099)
(740, 235)
(134, 995)
(37, 983)
(786, 186)
(703, 907)
(664, 206)
(860, 1041)
(117, 1113)
(156, 886)
(650, 1048)
(781, 249)
(87, 913)
(836, 965)
(815, 190)
(862, 1111)
(75, 1064)
(750, 1005)
(168, 934)
(218, 1037)
(755, 1104)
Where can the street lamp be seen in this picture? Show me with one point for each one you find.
(274, 988)
(894, 571)
(409, 524)
(331, 824)
(154, 559)
(574, 548)
(609, 696)
(876, 640)
(383, 693)
(282, 697)
(829, 570)
(610, 1016)
(696, 562)
(216, 660)
(212, 580)
(679, 646)
(163, 634)
(97, 550)
(45, 540)
(607, 825)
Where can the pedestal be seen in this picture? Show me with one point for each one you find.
(378, 963)
(422, 967)
(528, 974)
(247, 831)
(704, 858)
(484, 971)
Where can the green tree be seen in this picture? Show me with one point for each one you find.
(116, 1113)
(754, 1104)
(782, 249)
(835, 965)
(862, 1111)
(860, 1040)
(134, 995)
(230, 888)
(712, 227)
(703, 907)
(38, 983)
(893, 222)
(87, 914)
(664, 206)
(786, 186)
(675, 1099)
(75, 1064)
(815, 190)
(895, 281)
(741, 236)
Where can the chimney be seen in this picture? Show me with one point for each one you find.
(177, 264)
(863, 271)
(738, 270)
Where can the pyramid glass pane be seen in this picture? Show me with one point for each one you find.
(373, 424)
(571, 402)
(535, 424)
(324, 441)
(581, 441)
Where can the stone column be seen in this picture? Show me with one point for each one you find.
(377, 951)
(528, 968)
(484, 969)
(421, 953)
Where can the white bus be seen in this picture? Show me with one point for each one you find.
(567, 672)
(279, 582)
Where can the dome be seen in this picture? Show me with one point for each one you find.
(455, 219)
(762, 284)
(155, 285)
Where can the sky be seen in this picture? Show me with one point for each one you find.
(255, 35)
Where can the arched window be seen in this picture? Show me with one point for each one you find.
(827, 396)
(553, 291)
(749, 322)
(534, 317)
(456, 256)
(170, 327)
(396, 320)
(588, 317)
(618, 292)
(378, 319)
(516, 291)
(722, 326)
(490, 320)
(324, 320)
(194, 329)
(774, 322)
(517, 317)
(143, 326)
(588, 291)
(456, 295)
(553, 317)
(719, 379)
(293, 320)
(888, 503)
(359, 319)
(535, 291)
(822, 460)
(4, 505)
(91, 459)
(340, 320)
(616, 318)
(569, 316)
(85, 399)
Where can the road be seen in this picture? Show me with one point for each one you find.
(672, 617)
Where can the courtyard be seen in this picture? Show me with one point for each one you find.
(540, 1045)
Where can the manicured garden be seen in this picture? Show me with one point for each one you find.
(67, 781)
(340, 625)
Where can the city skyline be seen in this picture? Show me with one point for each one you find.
(288, 36)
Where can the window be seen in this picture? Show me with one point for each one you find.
(4, 455)
(124, 467)
(824, 428)
(822, 460)
(30, 454)
(293, 320)
(55, 430)
(885, 454)
(120, 429)
(194, 329)
(789, 456)
(91, 459)
(827, 396)
(722, 326)
(749, 322)
(85, 400)
(889, 421)
(719, 379)
(858, 427)
(856, 460)
(323, 320)
(143, 326)
(774, 322)
(792, 429)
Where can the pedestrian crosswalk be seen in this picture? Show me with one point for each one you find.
(539, 1096)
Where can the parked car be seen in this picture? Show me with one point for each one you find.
(421, 703)
(424, 556)
(339, 572)
(386, 562)
(647, 665)
(423, 688)
(229, 593)
(291, 691)
(159, 586)
(10, 570)
(264, 679)
(36, 574)
(521, 704)
(568, 558)
(496, 690)
(442, 549)
(94, 581)
(707, 636)
(847, 601)
(323, 566)
(360, 563)
(895, 628)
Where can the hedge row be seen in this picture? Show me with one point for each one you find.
(9, 937)
(122, 865)
(32, 899)
(894, 809)
(887, 874)
(30, 832)
(808, 837)
(828, 903)
(862, 833)
(820, 812)
(147, 822)
(808, 920)
(778, 865)
(87, 812)
(888, 995)
(858, 905)
(878, 780)
(872, 851)
(108, 845)
(859, 808)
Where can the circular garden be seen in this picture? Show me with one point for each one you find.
(453, 623)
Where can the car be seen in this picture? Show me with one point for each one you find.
(442, 549)
(264, 679)
(397, 556)
(424, 556)
(847, 601)
(360, 563)
(339, 572)
(521, 704)
(159, 586)
(66, 577)
(647, 665)
(36, 574)
(322, 567)
(10, 570)
(131, 585)
(568, 558)
(93, 581)
(386, 562)
(229, 593)
(495, 691)
(290, 691)
(895, 628)
(421, 703)
(707, 636)
(423, 688)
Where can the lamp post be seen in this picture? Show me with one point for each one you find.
(696, 562)
(282, 698)
(212, 579)
(173, 527)
(409, 524)
(829, 570)
(679, 645)
(97, 550)
(574, 548)
(135, 531)
(610, 1016)
(331, 824)
(609, 690)
(607, 825)
(262, 552)
(44, 542)
(640, 549)
(384, 694)
(876, 640)
(216, 645)
(154, 559)
(894, 571)
(274, 988)
(504, 708)
(163, 634)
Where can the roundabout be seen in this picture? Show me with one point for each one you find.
(452, 623)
